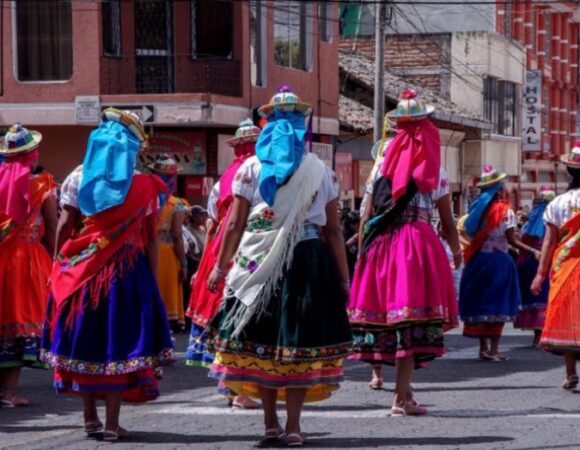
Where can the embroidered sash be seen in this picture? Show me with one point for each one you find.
(267, 245)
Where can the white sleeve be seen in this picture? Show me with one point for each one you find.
(212, 208)
(245, 184)
(69, 191)
(510, 221)
(442, 186)
(329, 190)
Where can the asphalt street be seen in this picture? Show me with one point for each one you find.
(473, 405)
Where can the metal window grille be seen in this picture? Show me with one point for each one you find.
(111, 16)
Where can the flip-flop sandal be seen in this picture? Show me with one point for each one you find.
(571, 382)
(376, 383)
(93, 428)
(119, 433)
(485, 356)
(271, 437)
(295, 440)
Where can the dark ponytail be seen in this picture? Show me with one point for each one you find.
(574, 178)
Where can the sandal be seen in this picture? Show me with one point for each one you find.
(119, 433)
(408, 409)
(243, 402)
(93, 428)
(295, 440)
(571, 382)
(485, 356)
(498, 357)
(376, 383)
(13, 401)
(271, 436)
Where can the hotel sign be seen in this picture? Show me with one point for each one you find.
(532, 112)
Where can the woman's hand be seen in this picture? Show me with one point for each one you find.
(537, 254)
(214, 279)
(537, 284)
(457, 259)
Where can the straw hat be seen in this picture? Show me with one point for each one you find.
(19, 140)
(572, 158)
(165, 164)
(546, 194)
(285, 100)
(247, 132)
(490, 176)
(128, 119)
(410, 107)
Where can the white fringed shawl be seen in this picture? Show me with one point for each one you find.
(267, 245)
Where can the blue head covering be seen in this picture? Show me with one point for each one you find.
(280, 149)
(535, 227)
(108, 167)
(474, 220)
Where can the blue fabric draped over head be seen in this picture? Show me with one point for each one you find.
(535, 227)
(108, 167)
(474, 220)
(280, 149)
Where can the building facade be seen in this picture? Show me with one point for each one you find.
(192, 69)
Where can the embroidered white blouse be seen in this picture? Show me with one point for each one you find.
(247, 181)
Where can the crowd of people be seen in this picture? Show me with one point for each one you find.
(280, 284)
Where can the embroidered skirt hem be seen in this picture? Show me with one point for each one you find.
(384, 345)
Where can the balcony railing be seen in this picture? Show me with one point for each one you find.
(157, 74)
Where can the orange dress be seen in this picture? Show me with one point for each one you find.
(24, 271)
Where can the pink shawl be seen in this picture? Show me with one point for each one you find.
(242, 152)
(414, 152)
(15, 186)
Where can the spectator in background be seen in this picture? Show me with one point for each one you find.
(350, 233)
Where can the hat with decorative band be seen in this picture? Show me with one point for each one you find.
(247, 132)
(490, 176)
(285, 100)
(410, 107)
(19, 140)
(572, 158)
(165, 164)
(546, 194)
(128, 119)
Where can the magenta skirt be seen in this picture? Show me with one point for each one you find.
(404, 278)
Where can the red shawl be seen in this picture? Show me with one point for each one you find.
(82, 257)
(414, 152)
(495, 216)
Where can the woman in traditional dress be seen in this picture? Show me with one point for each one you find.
(282, 330)
(490, 291)
(533, 308)
(561, 259)
(27, 230)
(172, 267)
(203, 303)
(106, 329)
(402, 297)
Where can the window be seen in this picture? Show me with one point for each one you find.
(500, 100)
(212, 24)
(44, 40)
(258, 42)
(325, 20)
(293, 34)
(154, 47)
(111, 27)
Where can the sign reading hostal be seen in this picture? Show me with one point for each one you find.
(187, 147)
(532, 112)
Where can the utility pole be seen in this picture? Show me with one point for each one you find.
(379, 69)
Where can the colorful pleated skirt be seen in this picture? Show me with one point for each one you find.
(24, 271)
(299, 342)
(170, 287)
(489, 294)
(402, 297)
(113, 346)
